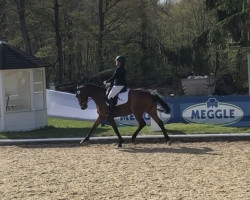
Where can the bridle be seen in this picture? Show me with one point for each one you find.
(78, 93)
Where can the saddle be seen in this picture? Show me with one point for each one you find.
(121, 98)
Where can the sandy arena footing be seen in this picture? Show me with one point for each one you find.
(187, 171)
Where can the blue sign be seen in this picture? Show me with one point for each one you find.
(220, 110)
(213, 112)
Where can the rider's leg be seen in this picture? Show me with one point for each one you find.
(114, 91)
(111, 105)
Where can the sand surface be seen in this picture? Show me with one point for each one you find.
(215, 170)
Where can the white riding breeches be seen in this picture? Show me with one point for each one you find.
(114, 91)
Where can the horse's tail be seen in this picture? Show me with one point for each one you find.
(162, 103)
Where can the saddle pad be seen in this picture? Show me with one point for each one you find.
(122, 98)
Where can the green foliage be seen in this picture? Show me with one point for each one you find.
(166, 39)
(232, 15)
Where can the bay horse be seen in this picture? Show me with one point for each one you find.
(139, 101)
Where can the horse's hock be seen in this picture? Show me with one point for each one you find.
(197, 86)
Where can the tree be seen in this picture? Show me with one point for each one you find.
(160, 39)
(2, 17)
(23, 27)
(100, 35)
(233, 15)
(58, 41)
(184, 30)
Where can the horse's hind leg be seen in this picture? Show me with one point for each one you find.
(142, 123)
(161, 125)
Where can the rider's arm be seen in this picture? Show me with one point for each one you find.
(111, 80)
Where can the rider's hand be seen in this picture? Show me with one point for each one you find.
(107, 85)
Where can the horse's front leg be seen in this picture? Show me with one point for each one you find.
(112, 122)
(96, 124)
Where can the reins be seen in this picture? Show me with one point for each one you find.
(89, 99)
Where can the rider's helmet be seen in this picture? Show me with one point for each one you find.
(120, 59)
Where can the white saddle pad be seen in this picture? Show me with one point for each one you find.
(122, 98)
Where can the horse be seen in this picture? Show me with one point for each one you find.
(139, 101)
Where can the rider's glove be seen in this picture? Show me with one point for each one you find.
(107, 85)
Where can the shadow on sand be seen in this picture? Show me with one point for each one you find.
(179, 150)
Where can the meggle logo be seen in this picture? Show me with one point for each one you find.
(213, 112)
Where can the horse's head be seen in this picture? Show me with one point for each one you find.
(89, 91)
(82, 97)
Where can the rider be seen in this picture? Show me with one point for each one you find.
(117, 81)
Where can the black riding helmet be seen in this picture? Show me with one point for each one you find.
(120, 59)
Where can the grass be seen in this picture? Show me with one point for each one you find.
(59, 128)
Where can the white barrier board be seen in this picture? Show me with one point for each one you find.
(65, 105)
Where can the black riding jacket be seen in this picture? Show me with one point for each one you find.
(119, 77)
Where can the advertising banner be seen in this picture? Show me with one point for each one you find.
(221, 110)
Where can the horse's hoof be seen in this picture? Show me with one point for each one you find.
(134, 141)
(84, 140)
(169, 143)
(119, 145)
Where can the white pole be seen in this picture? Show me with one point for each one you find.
(154, 126)
(32, 93)
(2, 103)
(248, 60)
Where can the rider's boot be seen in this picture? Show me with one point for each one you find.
(111, 107)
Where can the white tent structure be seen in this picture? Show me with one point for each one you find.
(22, 90)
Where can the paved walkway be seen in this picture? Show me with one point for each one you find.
(143, 138)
